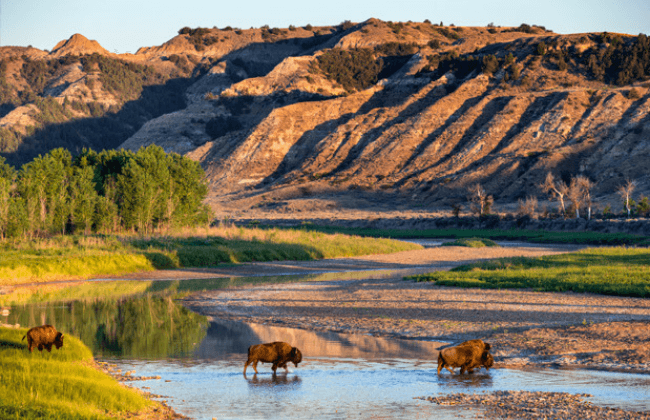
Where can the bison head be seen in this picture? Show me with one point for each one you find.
(487, 360)
(295, 356)
(58, 340)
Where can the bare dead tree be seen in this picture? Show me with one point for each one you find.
(576, 195)
(625, 191)
(557, 189)
(586, 186)
(528, 207)
(480, 201)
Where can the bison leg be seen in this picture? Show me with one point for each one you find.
(255, 366)
(30, 344)
(274, 367)
(49, 348)
(246, 365)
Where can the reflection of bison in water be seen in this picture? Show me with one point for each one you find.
(468, 355)
(278, 353)
(43, 337)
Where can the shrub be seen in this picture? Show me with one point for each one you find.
(354, 69)
(489, 64)
(633, 94)
(434, 44)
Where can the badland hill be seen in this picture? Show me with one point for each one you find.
(375, 115)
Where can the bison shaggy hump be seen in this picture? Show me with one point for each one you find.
(468, 355)
(278, 353)
(43, 337)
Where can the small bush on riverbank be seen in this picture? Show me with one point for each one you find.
(58, 385)
(472, 243)
(609, 271)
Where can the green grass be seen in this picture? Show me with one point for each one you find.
(62, 384)
(70, 257)
(472, 243)
(536, 236)
(611, 271)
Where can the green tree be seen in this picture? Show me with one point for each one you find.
(59, 173)
(83, 197)
(7, 178)
(144, 187)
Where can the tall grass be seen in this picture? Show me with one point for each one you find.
(611, 271)
(69, 257)
(537, 236)
(62, 384)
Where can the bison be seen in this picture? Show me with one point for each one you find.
(43, 337)
(468, 355)
(278, 353)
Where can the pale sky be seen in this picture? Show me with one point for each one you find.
(125, 25)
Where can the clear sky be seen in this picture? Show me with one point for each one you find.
(125, 25)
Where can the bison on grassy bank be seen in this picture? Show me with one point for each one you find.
(468, 355)
(278, 353)
(43, 337)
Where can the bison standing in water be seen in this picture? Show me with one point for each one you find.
(43, 337)
(468, 355)
(278, 353)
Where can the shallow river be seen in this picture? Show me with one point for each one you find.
(348, 376)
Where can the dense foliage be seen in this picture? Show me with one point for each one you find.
(622, 62)
(360, 68)
(105, 192)
(354, 69)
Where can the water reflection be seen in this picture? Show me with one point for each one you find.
(225, 338)
(469, 381)
(281, 379)
(142, 327)
(348, 376)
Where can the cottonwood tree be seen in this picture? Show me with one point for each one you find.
(625, 191)
(480, 201)
(576, 195)
(557, 189)
(7, 177)
(585, 186)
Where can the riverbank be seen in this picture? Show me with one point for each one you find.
(526, 328)
(65, 383)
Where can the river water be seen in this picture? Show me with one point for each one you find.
(348, 376)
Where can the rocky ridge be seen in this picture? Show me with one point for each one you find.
(273, 129)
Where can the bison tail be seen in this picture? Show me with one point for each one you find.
(23, 337)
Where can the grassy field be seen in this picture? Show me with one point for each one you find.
(536, 236)
(611, 271)
(62, 384)
(70, 257)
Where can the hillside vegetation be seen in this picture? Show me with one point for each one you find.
(286, 119)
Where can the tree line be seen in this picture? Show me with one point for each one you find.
(109, 191)
(578, 191)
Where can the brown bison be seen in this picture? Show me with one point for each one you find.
(278, 353)
(468, 355)
(43, 337)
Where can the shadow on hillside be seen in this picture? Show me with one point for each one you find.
(107, 131)
(305, 149)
